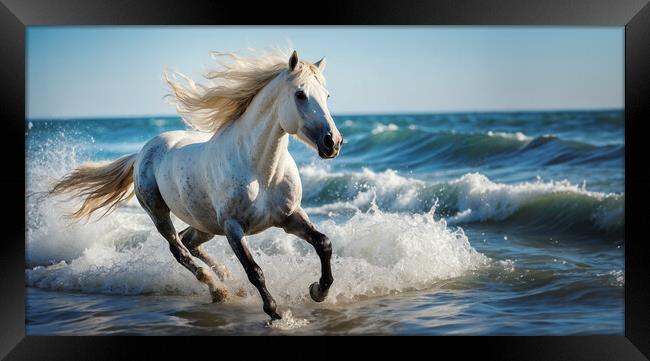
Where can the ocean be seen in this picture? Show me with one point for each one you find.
(507, 223)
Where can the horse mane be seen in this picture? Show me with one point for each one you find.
(234, 85)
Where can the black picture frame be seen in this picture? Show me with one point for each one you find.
(634, 15)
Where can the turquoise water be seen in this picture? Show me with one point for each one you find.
(477, 223)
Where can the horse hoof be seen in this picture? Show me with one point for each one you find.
(275, 316)
(273, 313)
(316, 293)
(219, 295)
(270, 309)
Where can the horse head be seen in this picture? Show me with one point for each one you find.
(304, 111)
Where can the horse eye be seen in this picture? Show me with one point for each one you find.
(301, 95)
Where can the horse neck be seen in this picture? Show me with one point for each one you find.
(260, 138)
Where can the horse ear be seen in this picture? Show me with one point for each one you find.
(321, 64)
(293, 60)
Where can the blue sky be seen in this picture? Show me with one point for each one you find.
(117, 71)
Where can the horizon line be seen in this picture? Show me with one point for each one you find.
(343, 114)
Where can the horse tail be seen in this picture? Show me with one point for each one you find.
(100, 184)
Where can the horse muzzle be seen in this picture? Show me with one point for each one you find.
(330, 146)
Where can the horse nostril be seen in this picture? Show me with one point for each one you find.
(328, 141)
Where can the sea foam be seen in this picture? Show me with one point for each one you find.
(375, 254)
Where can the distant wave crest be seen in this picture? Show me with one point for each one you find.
(557, 206)
(415, 147)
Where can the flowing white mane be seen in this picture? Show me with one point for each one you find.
(234, 85)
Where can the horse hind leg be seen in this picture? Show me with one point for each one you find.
(166, 228)
(149, 197)
(193, 239)
(151, 200)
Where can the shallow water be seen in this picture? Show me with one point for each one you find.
(488, 223)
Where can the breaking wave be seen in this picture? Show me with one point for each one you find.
(539, 205)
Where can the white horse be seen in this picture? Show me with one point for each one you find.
(232, 177)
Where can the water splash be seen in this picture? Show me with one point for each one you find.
(288, 322)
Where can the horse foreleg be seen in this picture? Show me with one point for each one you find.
(239, 245)
(298, 224)
(193, 240)
(166, 228)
